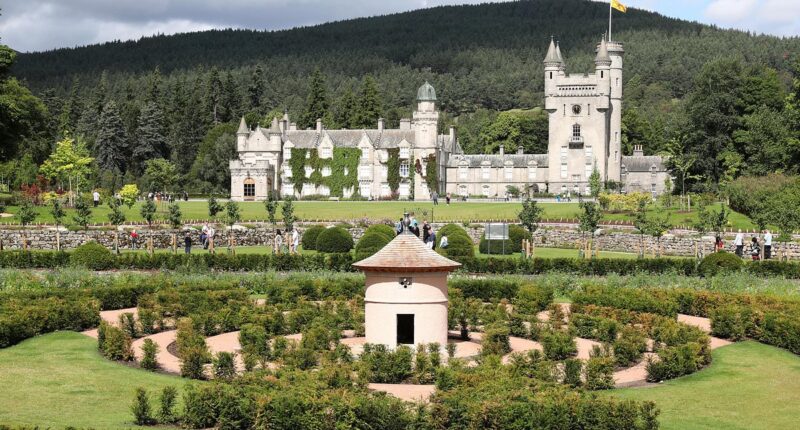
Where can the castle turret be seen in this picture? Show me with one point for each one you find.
(241, 135)
(425, 125)
(615, 52)
(552, 66)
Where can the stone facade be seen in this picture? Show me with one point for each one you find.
(585, 123)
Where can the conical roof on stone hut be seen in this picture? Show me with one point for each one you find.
(406, 253)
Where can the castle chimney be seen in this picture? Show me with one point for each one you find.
(502, 150)
(380, 124)
(452, 133)
(319, 125)
(519, 151)
(638, 151)
(405, 124)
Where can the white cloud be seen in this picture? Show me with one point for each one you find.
(779, 17)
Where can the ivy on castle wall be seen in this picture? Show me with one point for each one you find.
(343, 165)
(393, 169)
(431, 173)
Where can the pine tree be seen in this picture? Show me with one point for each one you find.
(213, 96)
(317, 101)
(70, 110)
(369, 105)
(83, 213)
(255, 89)
(111, 142)
(346, 111)
(154, 87)
(151, 142)
(230, 98)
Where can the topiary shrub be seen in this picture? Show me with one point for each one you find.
(369, 244)
(458, 245)
(720, 262)
(558, 345)
(495, 340)
(383, 229)
(599, 372)
(506, 247)
(334, 239)
(451, 230)
(93, 256)
(309, 240)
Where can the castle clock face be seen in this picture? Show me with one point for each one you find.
(576, 109)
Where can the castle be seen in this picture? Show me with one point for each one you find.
(585, 120)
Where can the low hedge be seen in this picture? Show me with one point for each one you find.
(93, 256)
(22, 319)
(720, 262)
(369, 244)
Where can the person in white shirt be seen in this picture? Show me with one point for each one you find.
(767, 245)
(738, 241)
(295, 240)
(443, 243)
(96, 198)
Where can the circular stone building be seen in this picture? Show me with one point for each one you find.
(406, 293)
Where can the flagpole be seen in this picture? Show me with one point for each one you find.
(609, 20)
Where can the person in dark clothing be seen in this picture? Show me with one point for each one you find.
(426, 231)
(187, 244)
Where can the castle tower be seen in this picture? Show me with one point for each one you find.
(241, 136)
(615, 52)
(425, 125)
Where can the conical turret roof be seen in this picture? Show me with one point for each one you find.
(553, 56)
(242, 127)
(406, 253)
(602, 53)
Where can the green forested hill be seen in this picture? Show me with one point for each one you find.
(179, 97)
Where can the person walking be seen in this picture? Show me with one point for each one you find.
(767, 245)
(187, 243)
(134, 238)
(204, 236)
(295, 241)
(755, 249)
(278, 242)
(718, 245)
(414, 227)
(738, 242)
(432, 239)
(211, 234)
(399, 227)
(435, 197)
(426, 231)
(447, 199)
(96, 198)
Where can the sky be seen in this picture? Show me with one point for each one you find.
(37, 25)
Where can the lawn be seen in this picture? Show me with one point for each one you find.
(337, 211)
(748, 386)
(60, 379)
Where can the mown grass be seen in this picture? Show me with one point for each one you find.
(60, 379)
(326, 211)
(748, 386)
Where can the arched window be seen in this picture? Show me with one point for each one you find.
(249, 189)
(576, 130)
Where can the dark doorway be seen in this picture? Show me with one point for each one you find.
(405, 329)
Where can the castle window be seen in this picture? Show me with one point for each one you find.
(326, 152)
(601, 74)
(326, 171)
(565, 110)
(485, 172)
(404, 169)
(287, 153)
(308, 154)
(462, 173)
(563, 170)
(509, 173)
(365, 153)
(551, 75)
(576, 130)
(531, 173)
(588, 109)
(588, 149)
(563, 154)
(576, 109)
(588, 171)
(404, 152)
(309, 170)
(249, 189)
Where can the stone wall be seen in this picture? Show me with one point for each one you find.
(551, 237)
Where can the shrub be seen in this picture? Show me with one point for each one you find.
(720, 262)
(594, 327)
(369, 244)
(629, 347)
(382, 229)
(600, 373)
(116, 344)
(676, 361)
(224, 367)
(309, 240)
(572, 372)
(192, 363)
(149, 353)
(457, 246)
(141, 408)
(334, 240)
(128, 323)
(200, 406)
(166, 413)
(533, 298)
(558, 345)
(93, 256)
(385, 366)
(729, 322)
(495, 340)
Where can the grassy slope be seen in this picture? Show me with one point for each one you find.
(334, 211)
(748, 386)
(60, 379)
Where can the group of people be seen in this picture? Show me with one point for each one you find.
(166, 197)
(280, 246)
(428, 236)
(754, 248)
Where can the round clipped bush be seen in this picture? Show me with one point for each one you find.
(513, 245)
(369, 244)
(383, 229)
(309, 240)
(334, 239)
(720, 262)
(92, 255)
(451, 230)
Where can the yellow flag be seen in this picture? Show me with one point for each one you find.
(618, 6)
